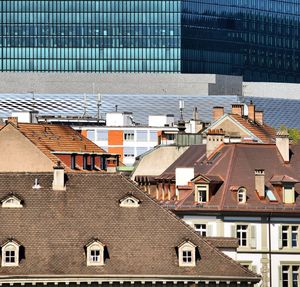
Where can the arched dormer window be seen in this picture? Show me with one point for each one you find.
(241, 195)
(11, 201)
(95, 253)
(10, 254)
(129, 201)
(187, 254)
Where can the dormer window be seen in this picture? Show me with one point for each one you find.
(241, 195)
(288, 193)
(129, 201)
(187, 254)
(95, 253)
(11, 201)
(202, 193)
(10, 254)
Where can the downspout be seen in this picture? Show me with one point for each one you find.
(270, 250)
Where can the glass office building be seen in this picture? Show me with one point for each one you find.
(258, 39)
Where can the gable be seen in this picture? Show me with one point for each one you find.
(19, 154)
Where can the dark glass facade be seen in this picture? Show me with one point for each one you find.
(90, 36)
(258, 39)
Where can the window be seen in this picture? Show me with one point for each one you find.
(10, 254)
(241, 234)
(11, 202)
(241, 195)
(288, 193)
(91, 135)
(129, 201)
(201, 229)
(141, 150)
(95, 253)
(288, 236)
(128, 135)
(128, 151)
(187, 254)
(102, 135)
(141, 136)
(202, 193)
(289, 275)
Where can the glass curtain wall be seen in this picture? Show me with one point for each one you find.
(258, 39)
(90, 36)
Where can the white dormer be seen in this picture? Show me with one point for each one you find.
(241, 195)
(95, 253)
(11, 201)
(10, 254)
(187, 254)
(129, 201)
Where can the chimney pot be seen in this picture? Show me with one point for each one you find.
(237, 109)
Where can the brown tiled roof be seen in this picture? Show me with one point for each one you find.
(264, 132)
(235, 165)
(55, 226)
(224, 242)
(51, 138)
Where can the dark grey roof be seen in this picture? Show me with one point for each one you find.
(55, 226)
(277, 111)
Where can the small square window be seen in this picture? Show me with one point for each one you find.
(187, 256)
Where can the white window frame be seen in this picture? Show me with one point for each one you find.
(241, 195)
(182, 250)
(129, 136)
(129, 201)
(199, 189)
(95, 246)
(289, 272)
(201, 228)
(288, 231)
(11, 202)
(240, 230)
(10, 246)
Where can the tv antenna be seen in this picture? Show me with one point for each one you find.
(84, 105)
(99, 104)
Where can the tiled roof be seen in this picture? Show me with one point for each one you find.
(51, 138)
(264, 132)
(55, 226)
(236, 164)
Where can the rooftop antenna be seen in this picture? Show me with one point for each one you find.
(181, 108)
(33, 100)
(116, 106)
(99, 104)
(84, 105)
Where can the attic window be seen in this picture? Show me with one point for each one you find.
(130, 201)
(10, 254)
(202, 193)
(11, 202)
(187, 254)
(288, 193)
(242, 195)
(95, 253)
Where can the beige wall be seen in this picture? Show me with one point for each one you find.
(231, 128)
(17, 153)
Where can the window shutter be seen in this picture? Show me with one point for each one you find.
(280, 237)
(280, 275)
(253, 236)
(209, 230)
(233, 231)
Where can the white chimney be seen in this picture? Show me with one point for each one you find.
(214, 138)
(260, 182)
(183, 176)
(58, 177)
(283, 144)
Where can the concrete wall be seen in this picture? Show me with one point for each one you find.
(114, 83)
(18, 154)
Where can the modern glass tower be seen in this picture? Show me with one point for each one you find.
(258, 39)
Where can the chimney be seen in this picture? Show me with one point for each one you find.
(112, 163)
(238, 109)
(283, 144)
(260, 182)
(214, 139)
(259, 117)
(13, 120)
(218, 112)
(251, 111)
(58, 177)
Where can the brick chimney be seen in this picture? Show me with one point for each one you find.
(259, 117)
(283, 144)
(58, 177)
(214, 139)
(260, 182)
(112, 163)
(13, 120)
(218, 112)
(237, 109)
(251, 111)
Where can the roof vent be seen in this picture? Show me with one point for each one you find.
(36, 184)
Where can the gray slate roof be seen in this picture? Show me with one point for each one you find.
(54, 227)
